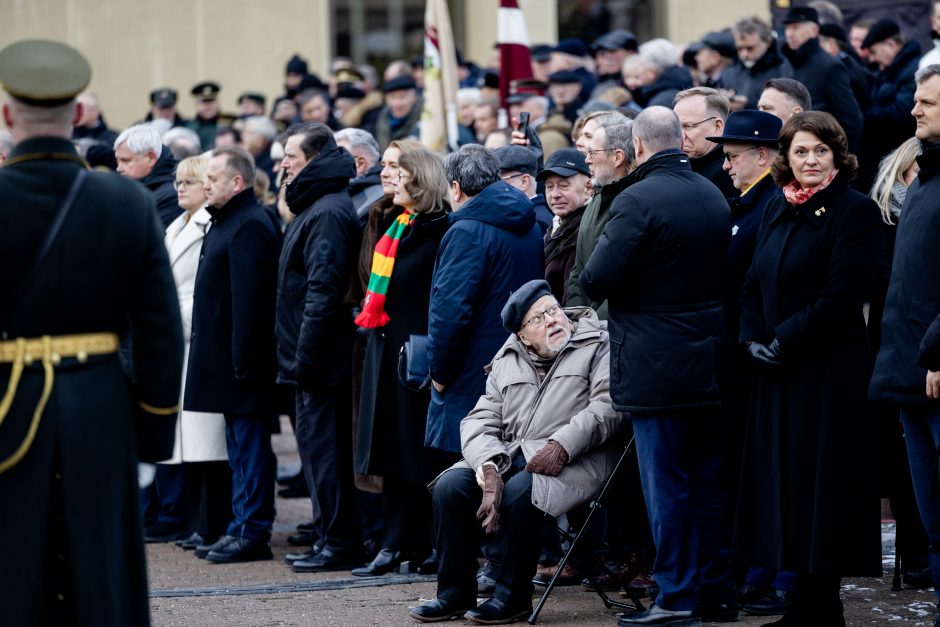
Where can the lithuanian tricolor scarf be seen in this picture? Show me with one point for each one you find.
(383, 260)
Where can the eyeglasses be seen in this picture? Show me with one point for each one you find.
(688, 126)
(513, 176)
(591, 153)
(184, 183)
(731, 156)
(538, 320)
(403, 178)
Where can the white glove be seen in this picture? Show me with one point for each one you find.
(145, 474)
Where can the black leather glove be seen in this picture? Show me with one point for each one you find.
(767, 356)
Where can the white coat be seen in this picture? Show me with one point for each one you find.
(200, 437)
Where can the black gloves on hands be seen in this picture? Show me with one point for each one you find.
(768, 356)
(492, 497)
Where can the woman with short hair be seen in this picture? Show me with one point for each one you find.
(808, 501)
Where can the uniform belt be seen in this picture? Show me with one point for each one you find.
(50, 350)
(81, 347)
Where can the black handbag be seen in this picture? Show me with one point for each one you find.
(414, 370)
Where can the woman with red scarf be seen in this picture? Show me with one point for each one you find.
(390, 431)
(809, 499)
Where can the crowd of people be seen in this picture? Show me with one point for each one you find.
(719, 254)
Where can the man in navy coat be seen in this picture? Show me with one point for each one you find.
(232, 354)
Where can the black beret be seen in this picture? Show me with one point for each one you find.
(574, 47)
(722, 43)
(540, 52)
(515, 158)
(616, 40)
(830, 29)
(43, 73)
(801, 14)
(399, 83)
(521, 301)
(881, 30)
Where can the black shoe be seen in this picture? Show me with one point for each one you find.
(719, 612)
(748, 593)
(241, 550)
(162, 532)
(656, 615)
(436, 611)
(286, 480)
(203, 550)
(304, 538)
(190, 543)
(385, 562)
(918, 579)
(310, 553)
(774, 603)
(429, 565)
(306, 526)
(297, 490)
(496, 612)
(328, 560)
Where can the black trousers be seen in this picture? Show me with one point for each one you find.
(208, 494)
(455, 501)
(406, 517)
(324, 441)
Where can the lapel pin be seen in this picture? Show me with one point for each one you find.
(820, 211)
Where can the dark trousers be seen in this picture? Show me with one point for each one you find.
(324, 441)
(456, 499)
(208, 487)
(254, 468)
(406, 517)
(163, 501)
(922, 435)
(680, 458)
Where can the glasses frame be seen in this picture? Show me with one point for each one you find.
(689, 127)
(731, 156)
(538, 320)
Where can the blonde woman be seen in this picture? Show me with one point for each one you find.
(895, 174)
(204, 489)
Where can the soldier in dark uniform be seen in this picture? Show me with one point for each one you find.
(206, 121)
(73, 423)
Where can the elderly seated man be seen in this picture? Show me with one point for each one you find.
(532, 444)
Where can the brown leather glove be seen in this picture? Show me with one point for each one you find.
(549, 461)
(492, 497)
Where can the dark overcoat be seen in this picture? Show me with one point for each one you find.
(913, 300)
(492, 247)
(232, 352)
(107, 272)
(659, 264)
(390, 438)
(160, 182)
(808, 499)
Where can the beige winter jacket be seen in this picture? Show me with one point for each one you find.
(571, 406)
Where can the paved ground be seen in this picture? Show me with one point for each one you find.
(189, 592)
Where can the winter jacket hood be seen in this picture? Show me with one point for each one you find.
(500, 205)
(328, 173)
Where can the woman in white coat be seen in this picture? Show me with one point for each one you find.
(200, 437)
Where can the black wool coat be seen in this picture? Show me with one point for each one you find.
(808, 499)
(160, 183)
(659, 264)
(75, 491)
(711, 166)
(232, 353)
(390, 438)
(913, 300)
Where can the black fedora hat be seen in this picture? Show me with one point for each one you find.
(750, 127)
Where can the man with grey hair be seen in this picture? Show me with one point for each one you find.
(257, 136)
(661, 77)
(702, 113)
(232, 354)
(610, 155)
(140, 155)
(759, 59)
(182, 142)
(365, 188)
(660, 263)
(491, 248)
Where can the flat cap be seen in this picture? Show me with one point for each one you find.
(722, 43)
(163, 97)
(207, 90)
(513, 158)
(564, 76)
(565, 162)
(572, 46)
(43, 73)
(881, 30)
(398, 83)
(831, 29)
(521, 301)
(749, 126)
(252, 95)
(540, 52)
(801, 14)
(348, 90)
(616, 40)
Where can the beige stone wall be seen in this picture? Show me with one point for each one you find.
(137, 45)
(480, 17)
(685, 21)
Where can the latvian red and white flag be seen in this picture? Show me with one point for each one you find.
(513, 37)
